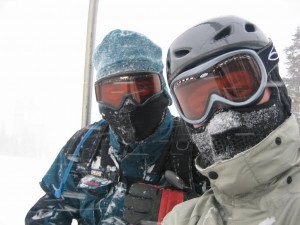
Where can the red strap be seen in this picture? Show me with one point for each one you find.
(169, 199)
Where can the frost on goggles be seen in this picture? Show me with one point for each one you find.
(236, 79)
(140, 87)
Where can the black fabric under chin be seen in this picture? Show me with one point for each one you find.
(253, 125)
(134, 123)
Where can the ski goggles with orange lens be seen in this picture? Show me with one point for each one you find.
(113, 91)
(237, 78)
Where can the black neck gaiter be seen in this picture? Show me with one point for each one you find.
(133, 123)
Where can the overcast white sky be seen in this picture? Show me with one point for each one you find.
(42, 50)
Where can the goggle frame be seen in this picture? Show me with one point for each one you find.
(214, 98)
(137, 74)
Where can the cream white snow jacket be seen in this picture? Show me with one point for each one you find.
(260, 186)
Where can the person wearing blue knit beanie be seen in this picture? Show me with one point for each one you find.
(119, 170)
(129, 55)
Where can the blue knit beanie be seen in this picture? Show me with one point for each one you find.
(123, 51)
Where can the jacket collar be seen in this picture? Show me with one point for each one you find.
(138, 159)
(258, 165)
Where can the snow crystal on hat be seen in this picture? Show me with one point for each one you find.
(126, 51)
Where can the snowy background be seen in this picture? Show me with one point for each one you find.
(42, 52)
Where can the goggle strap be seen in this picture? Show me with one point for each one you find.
(269, 57)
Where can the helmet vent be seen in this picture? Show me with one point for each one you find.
(249, 27)
(223, 33)
(181, 53)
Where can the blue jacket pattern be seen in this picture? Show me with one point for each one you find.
(96, 200)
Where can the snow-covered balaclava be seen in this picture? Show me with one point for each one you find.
(123, 52)
(234, 130)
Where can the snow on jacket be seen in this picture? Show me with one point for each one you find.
(260, 186)
(82, 198)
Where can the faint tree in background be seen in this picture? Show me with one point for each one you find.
(292, 79)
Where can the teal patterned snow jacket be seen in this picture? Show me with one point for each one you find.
(93, 192)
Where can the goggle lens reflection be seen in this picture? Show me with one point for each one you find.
(113, 91)
(236, 78)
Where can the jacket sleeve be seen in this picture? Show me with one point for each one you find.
(78, 197)
(52, 210)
